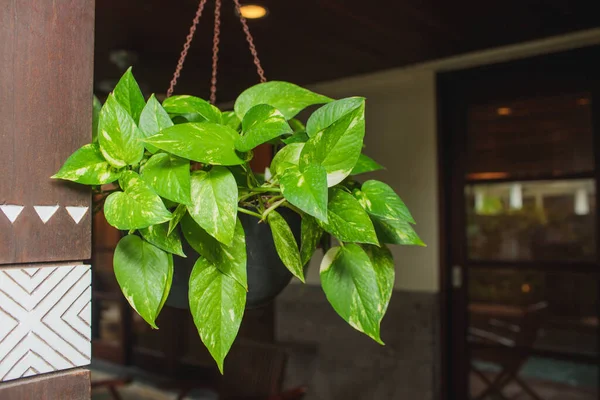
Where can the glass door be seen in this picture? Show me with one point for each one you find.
(523, 183)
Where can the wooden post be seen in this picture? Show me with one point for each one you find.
(46, 75)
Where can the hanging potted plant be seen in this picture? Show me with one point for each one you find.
(180, 186)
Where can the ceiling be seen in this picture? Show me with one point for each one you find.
(307, 41)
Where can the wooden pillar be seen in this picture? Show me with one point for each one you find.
(46, 75)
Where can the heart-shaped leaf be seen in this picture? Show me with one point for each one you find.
(290, 154)
(347, 220)
(396, 232)
(169, 176)
(144, 273)
(261, 124)
(214, 202)
(118, 135)
(326, 115)
(285, 244)
(136, 207)
(177, 216)
(217, 305)
(154, 119)
(350, 284)
(87, 166)
(365, 164)
(286, 97)
(380, 200)
(159, 236)
(231, 260)
(196, 109)
(338, 146)
(231, 120)
(205, 142)
(383, 264)
(311, 234)
(128, 94)
(306, 189)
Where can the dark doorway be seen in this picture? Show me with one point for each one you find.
(520, 160)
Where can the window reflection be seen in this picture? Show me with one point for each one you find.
(532, 221)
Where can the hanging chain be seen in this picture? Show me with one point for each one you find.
(186, 47)
(215, 52)
(215, 49)
(250, 40)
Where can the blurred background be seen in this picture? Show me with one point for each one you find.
(487, 119)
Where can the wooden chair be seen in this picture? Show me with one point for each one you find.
(507, 345)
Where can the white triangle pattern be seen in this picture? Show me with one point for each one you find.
(45, 212)
(11, 211)
(46, 326)
(76, 213)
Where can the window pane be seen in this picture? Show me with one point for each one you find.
(535, 220)
(541, 325)
(557, 129)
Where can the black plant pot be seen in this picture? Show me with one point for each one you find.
(267, 276)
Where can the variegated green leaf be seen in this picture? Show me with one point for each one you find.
(217, 305)
(350, 284)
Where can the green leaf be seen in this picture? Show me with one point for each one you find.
(380, 200)
(177, 215)
(350, 284)
(205, 142)
(365, 164)
(144, 273)
(231, 260)
(347, 220)
(96, 107)
(307, 190)
(383, 264)
(118, 135)
(286, 97)
(217, 305)
(154, 119)
(289, 154)
(285, 244)
(231, 120)
(128, 94)
(159, 236)
(214, 202)
(297, 125)
(261, 124)
(169, 176)
(203, 110)
(136, 207)
(338, 146)
(297, 137)
(87, 166)
(396, 232)
(311, 235)
(326, 115)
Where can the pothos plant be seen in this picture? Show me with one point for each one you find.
(183, 166)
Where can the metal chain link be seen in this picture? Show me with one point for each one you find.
(215, 49)
(215, 52)
(186, 47)
(250, 40)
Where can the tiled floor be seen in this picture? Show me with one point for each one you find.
(546, 390)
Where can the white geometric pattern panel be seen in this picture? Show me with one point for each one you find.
(45, 317)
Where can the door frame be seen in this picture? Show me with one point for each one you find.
(453, 89)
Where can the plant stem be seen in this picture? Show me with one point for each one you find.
(243, 210)
(262, 189)
(273, 207)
